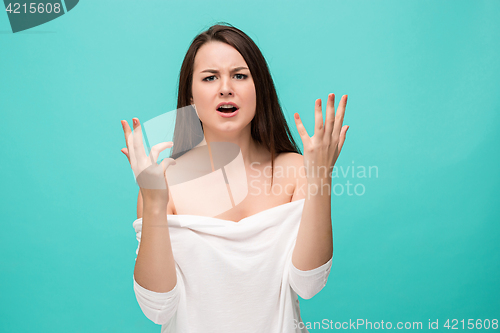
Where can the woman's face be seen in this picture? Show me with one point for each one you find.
(221, 75)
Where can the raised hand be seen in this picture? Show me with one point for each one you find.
(323, 148)
(150, 175)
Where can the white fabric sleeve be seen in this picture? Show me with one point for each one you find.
(308, 283)
(157, 307)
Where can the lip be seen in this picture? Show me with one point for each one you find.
(227, 115)
(227, 103)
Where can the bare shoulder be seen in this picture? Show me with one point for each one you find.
(290, 159)
(293, 165)
(292, 156)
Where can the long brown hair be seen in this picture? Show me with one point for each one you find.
(269, 126)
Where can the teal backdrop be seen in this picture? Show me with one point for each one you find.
(418, 241)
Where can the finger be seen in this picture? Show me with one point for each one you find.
(342, 137)
(138, 143)
(158, 148)
(330, 114)
(126, 130)
(318, 117)
(339, 117)
(131, 150)
(300, 127)
(129, 141)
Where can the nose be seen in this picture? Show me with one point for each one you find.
(225, 88)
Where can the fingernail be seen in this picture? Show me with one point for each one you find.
(135, 121)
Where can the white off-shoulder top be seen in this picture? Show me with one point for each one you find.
(234, 277)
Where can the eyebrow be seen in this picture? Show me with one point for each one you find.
(216, 71)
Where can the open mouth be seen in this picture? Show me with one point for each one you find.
(229, 109)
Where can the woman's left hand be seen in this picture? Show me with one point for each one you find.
(323, 148)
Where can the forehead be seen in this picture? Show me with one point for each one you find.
(217, 55)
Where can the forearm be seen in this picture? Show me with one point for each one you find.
(314, 245)
(155, 265)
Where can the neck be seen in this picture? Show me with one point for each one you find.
(250, 150)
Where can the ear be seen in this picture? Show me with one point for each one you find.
(191, 100)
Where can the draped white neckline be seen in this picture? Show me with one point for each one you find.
(225, 221)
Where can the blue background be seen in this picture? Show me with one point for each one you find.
(422, 77)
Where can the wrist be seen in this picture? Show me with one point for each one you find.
(319, 186)
(319, 180)
(152, 201)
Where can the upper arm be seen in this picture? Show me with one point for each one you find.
(139, 205)
(170, 206)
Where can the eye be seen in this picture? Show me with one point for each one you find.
(243, 76)
(207, 78)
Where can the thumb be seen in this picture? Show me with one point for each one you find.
(167, 162)
(158, 148)
(125, 152)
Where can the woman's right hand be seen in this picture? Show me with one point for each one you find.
(150, 176)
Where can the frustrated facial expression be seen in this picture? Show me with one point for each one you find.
(221, 76)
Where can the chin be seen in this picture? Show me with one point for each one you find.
(228, 127)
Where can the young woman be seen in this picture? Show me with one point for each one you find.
(191, 275)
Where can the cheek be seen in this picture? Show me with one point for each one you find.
(250, 93)
(199, 97)
(253, 96)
